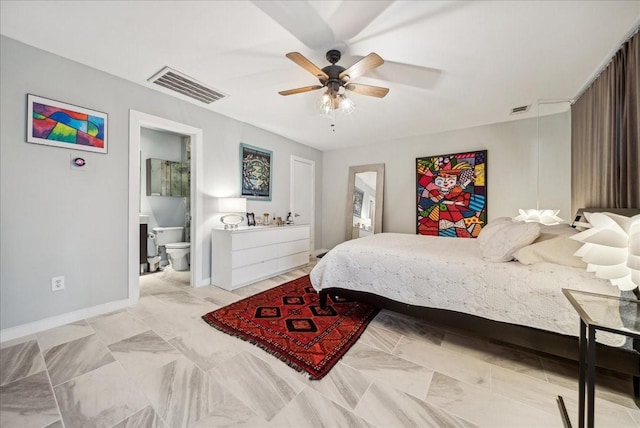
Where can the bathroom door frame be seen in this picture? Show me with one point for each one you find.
(137, 121)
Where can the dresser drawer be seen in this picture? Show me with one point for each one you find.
(251, 273)
(292, 261)
(293, 233)
(251, 239)
(250, 256)
(293, 247)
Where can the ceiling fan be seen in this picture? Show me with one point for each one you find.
(338, 79)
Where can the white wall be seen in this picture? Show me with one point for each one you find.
(56, 221)
(511, 171)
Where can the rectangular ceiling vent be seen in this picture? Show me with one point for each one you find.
(521, 109)
(176, 81)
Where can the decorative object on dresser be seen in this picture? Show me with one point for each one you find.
(245, 255)
(452, 194)
(288, 322)
(256, 166)
(232, 207)
(251, 219)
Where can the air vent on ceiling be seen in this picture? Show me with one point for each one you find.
(521, 109)
(176, 81)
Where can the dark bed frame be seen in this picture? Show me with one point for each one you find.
(541, 341)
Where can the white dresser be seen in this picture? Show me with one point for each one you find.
(249, 254)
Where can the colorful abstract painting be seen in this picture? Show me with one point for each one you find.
(452, 194)
(256, 166)
(54, 123)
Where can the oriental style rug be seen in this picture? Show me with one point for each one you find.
(288, 322)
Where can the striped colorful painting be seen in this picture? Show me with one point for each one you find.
(452, 194)
(59, 124)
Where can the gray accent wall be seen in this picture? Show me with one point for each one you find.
(58, 221)
(512, 171)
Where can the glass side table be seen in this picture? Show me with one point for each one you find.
(597, 312)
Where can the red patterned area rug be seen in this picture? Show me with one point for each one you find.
(288, 322)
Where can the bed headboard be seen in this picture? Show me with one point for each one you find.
(580, 221)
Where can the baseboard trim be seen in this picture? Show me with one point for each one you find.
(58, 320)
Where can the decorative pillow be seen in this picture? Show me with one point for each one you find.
(506, 240)
(491, 228)
(550, 232)
(558, 250)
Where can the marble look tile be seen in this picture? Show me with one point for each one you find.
(380, 338)
(310, 409)
(99, 398)
(116, 326)
(186, 305)
(393, 370)
(56, 424)
(148, 306)
(387, 407)
(226, 410)
(178, 391)
(207, 347)
(606, 413)
(542, 395)
(503, 356)
(143, 350)
(28, 402)
(75, 358)
(258, 384)
(63, 334)
(20, 361)
(257, 287)
(484, 408)
(615, 389)
(215, 295)
(449, 362)
(16, 341)
(155, 283)
(409, 326)
(343, 384)
(145, 418)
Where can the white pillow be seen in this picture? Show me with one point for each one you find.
(558, 250)
(491, 228)
(506, 240)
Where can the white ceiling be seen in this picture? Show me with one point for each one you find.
(449, 65)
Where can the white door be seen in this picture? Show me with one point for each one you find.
(303, 193)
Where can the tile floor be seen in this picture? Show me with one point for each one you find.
(158, 364)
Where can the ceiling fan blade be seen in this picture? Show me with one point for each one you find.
(303, 62)
(406, 74)
(300, 90)
(372, 91)
(301, 20)
(367, 63)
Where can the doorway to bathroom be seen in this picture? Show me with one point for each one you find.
(165, 203)
(155, 136)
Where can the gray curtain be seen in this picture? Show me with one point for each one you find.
(605, 144)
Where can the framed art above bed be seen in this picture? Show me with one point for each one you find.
(451, 194)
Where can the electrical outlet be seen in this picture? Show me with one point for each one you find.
(57, 283)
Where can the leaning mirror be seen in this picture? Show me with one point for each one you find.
(364, 200)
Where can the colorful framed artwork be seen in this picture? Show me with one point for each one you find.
(452, 194)
(54, 123)
(256, 167)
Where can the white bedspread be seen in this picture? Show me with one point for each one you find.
(449, 273)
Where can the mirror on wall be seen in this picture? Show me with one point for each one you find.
(364, 200)
(167, 178)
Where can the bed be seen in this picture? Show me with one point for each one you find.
(475, 285)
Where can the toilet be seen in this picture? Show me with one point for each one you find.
(177, 251)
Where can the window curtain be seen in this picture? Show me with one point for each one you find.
(605, 144)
